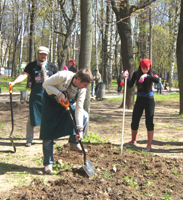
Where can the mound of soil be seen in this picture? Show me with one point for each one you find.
(130, 175)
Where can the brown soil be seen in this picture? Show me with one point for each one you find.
(132, 174)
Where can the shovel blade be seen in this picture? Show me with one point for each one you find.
(88, 168)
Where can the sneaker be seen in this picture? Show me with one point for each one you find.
(28, 144)
(77, 147)
(147, 150)
(48, 169)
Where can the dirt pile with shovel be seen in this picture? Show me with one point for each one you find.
(130, 175)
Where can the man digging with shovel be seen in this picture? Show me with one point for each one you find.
(55, 121)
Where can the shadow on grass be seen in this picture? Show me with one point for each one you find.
(6, 167)
(6, 142)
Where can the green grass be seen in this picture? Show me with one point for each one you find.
(157, 98)
(94, 138)
(58, 166)
(107, 174)
(114, 85)
(131, 182)
(38, 160)
(18, 87)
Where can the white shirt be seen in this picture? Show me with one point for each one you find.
(60, 82)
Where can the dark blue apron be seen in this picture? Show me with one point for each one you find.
(36, 97)
(55, 120)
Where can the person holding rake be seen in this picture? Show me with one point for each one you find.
(143, 77)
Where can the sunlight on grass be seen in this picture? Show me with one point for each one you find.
(166, 97)
(157, 98)
(38, 160)
(94, 138)
(18, 87)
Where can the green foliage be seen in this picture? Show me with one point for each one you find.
(175, 173)
(38, 160)
(167, 197)
(107, 174)
(131, 182)
(58, 166)
(161, 48)
(94, 138)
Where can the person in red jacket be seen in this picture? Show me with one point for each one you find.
(71, 66)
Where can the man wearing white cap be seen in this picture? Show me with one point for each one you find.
(38, 71)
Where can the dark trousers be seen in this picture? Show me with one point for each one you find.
(119, 88)
(147, 104)
(96, 89)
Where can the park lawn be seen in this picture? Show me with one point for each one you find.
(18, 87)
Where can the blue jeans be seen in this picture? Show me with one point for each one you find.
(48, 144)
(93, 88)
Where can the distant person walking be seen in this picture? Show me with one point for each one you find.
(38, 71)
(120, 83)
(159, 86)
(97, 78)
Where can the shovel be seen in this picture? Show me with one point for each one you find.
(88, 167)
(12, 121)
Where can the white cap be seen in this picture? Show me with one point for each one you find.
(43, 49)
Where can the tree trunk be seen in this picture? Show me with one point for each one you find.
(32, 30)
(179, 58)
(96, 42)
(173, 49)
(22, 34)
(124, 29)
(110, 53)
(150, 34)
(2, 8)
(105, 43)
(51, 34)
(118, 69)
(86, 42)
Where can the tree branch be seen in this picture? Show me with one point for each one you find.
(115, 9)
(60, 33)
(140, 5)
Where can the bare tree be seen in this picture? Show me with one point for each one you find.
(32, 30)
(86, 42)
(2, 9)
(173, 23)
(123, 10)
(179, 57)
(68, 28)
(105, 43)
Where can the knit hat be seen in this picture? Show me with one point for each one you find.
(43, 49)
(145, 63)
(65, 68)
(72, 61)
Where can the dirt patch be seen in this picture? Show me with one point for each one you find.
(134, 174)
